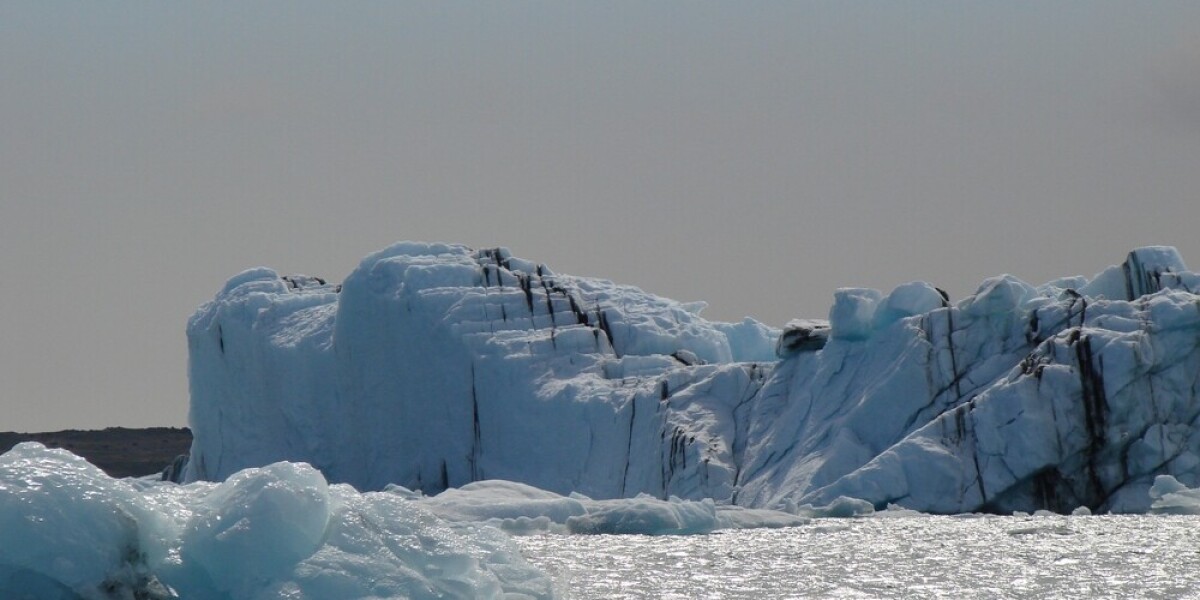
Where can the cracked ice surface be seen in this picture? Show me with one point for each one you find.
(436, 365)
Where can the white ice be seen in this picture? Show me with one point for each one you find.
(521, 509)
(433, 366)
(1173, 498)
(70, 532)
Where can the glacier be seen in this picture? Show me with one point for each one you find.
(432, 366)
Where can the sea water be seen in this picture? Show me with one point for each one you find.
(889, 557)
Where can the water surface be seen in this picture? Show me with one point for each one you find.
(890, 557)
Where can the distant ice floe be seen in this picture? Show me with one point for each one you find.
(433, 366)
(521, 509)
(1169, 497)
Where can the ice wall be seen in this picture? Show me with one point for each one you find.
(435, 365)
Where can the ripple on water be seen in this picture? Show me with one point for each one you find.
(908, 557)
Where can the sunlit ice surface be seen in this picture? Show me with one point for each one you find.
(902, 557)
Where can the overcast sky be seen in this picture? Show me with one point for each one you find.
(753, 155)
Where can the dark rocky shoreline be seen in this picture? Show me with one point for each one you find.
(119, 451)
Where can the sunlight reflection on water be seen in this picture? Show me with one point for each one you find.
(904, 557)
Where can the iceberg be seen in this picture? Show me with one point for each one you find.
(433, 366)
(73, 533)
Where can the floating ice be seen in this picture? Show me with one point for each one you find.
(434, 366)
(1015, 398)
(522, 509)
(1173, 498)
(71, 532)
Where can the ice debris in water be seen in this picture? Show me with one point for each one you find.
(522, 509)
(1173, 498)
(70, 532)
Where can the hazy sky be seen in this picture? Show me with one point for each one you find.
(753, 155)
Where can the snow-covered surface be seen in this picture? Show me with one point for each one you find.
(433, 366)
(69, 532)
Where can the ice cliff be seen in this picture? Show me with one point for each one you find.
(433, 365)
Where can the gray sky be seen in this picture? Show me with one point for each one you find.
(753, 155)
